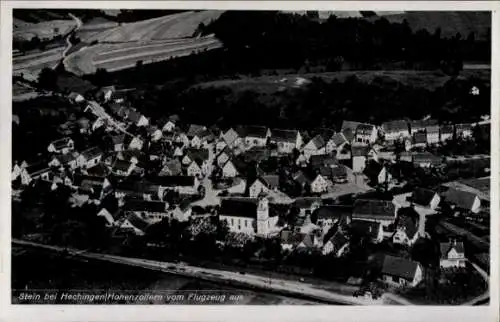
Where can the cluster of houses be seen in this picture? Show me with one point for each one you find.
(185, 156)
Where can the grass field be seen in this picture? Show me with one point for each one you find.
(31, 64)
(422, 79)
(45, 30)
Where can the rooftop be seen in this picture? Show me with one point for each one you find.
(399, 267)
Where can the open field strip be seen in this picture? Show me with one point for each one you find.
(33, 63)
(30, 57)
(46, 29)
(118, 64)
(187, 26)
(142, 49)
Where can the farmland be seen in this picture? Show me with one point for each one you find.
(46, 30)
(32, 63)
(119, 47)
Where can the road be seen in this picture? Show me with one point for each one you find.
(486, 295)
(79, 24)
(291, 288)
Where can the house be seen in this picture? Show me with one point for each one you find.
(64, 160)
(291, 240)
(154, 133)
(238, 188)
(349, 126)
(463, 130)
(119, 110)
(150, 211)
(382, 211)
(307, 205)
(319, 184)
(76, 97)
(462, 200)
(452, 254)
(336, 142)
(137, 118)
(89, 157)
(401, 272)
(196, 135)
(336, 245)
(84, 124)
(183, 184)
(182, 212)
(231, 138)
(229, 170)
(200, 158)
(328, 215)
(377, 173)
(316, 146)
(197, 168)
(105, 93)
(432, 132)
(419, 140)
(33, 172)
(178, 151)
(118, 141)
(135, 224)
(395, 130)
(98, 170)
(130, 155)
(359, 155)
(425, 198)
(156, 150)
(172, 167)
(224, 156)
(253, 135)
(366, 134)
(425, 160)
(407, 224)
(264, 185)
(369, 229)
(445, 132)
(286, 140)
(111, 218)
(136, 143)
(169, 126)
(248, 215)
(138, 190)
(122, 167)
(64, 145)
(422, 125)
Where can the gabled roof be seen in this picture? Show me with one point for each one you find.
(374, 209)
(121, 165)
(302, 178)
(92, 153)
(348, 134)
(289, 237)
(61, 143)
(419, 138)
(251, 131)
(408, 220)
(66, 158)
(366, 228)
(197, 154)
(172, 181)
(99, 170)
(373, 169)
(197, 130)
(357, 151)
(118, 138)
(462, 199)
(134, 116)
(399, 267)
(336, 172)
(140, 187)
(119, 110)
(365, 129)
(426, 157)
(351, 125)
(35, 168)
(446, 128)
(230, 136)
(281, 135)
(79, 179)
(422, 124)
(239, 207)
(445, 248)
(463, 127)
(339, 138)
(137, 222)
(395, 126)
(333, 212)
(306, 202)
(317, 142)
(270, 181)
(422, 196)
(338, 240)
(318, 161)
(172, 167)
(146, 206)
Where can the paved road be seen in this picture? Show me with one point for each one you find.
(214, 275)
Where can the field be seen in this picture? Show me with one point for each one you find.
(32, 63)
(149, 41)
(423, 79)
(46, 30)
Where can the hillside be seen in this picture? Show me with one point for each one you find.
(451, 22)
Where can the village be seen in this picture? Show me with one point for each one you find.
(326, 191)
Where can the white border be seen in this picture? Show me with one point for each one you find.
(10, 312)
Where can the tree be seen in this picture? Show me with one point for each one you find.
(47, 79)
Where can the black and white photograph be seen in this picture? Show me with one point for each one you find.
(250, 157)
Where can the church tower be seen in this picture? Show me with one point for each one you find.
(263, 224)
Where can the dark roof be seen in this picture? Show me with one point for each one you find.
(338, 240)
(118, 138)
(317, 141)
(289, 237)
(137, 222)
(365, 129)
(366, 228)
(374, 209)
(445, 248)
(196, 130)
(348, 134)
(395, 126)
(172, 167)
(134, 116)
(119, 110)
(302, 178)
(460, 198)
(79, 179)
(408, 220)
(422, 124)
(121, 165)
(351, 125)
(447, 128)
(172, 181)
(66, 158)
(357, 151)
(333, 212)
(270, 181)
(372, 169)
(463, 127)
(136, 186)
(306, 202)
(99, 170)
(419, 138)
(92, 153)
(339, 138)
(422, 196)
(426, 157)
(252, 131)
(36, 168)
(318, 161)
(146, 206)
(198, 155)
(239, 207)
(399, 267)
(284, 135)
(256, 154)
